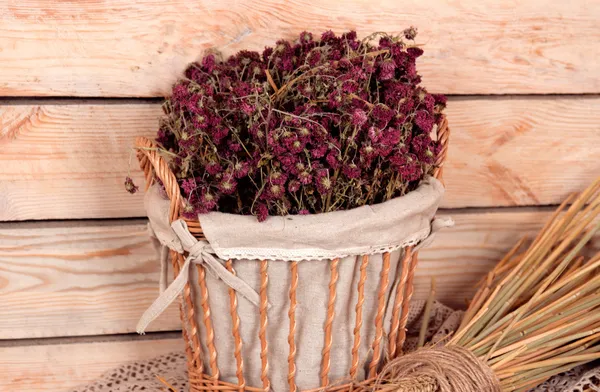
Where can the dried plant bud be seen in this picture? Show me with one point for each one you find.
(130, 186)
(410, 33)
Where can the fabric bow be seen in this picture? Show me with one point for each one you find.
(199, 252)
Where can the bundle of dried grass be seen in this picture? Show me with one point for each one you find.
(535, 315)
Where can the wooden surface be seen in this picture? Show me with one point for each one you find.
(95, 278)
(77, 278)
(65, 148)
(138, 48)
(66, 161)
(70, 160)
(63, 365)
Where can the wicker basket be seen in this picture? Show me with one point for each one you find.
(205, 376)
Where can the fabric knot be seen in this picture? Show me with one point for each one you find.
(199, 252)
(196, 250)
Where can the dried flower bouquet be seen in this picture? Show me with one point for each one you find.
(305, 127)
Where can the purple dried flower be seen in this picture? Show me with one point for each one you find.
(247, 108)
(130, 186)
(277, 178)
(359, 117)
(213, 168)
(228, 184)
(319, 151)
(424, 148)
(387, 70)
(306, 37)
(272, 192)
(313, 58)
(381, 115)
(335, 100)
(411, 171)
(219, 133)
(207, 202)
(328, 36)
(189, 185)
(323, 182)
(351, 171)
(414, 52)
(429, 102)
(440, 99)
(293, 186)
(241, 169)
(305, 178)
(410, 33)
(188, 210)
(303, 212)
(333, 159)
(262, 212)
(407, 106)
(208, 63)
(424, 121)
(397, 160)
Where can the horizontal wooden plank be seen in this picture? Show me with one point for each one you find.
(60, 367)
(68, 161)
(78, 278)
(523, 151)
(92, 278)
(461, 255)
(125, 48)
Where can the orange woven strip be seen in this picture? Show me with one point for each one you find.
(262, 333)
(326, 362)
(292, 333)
(199, 382)
(163, 172)
(383, 286)
(359, 310)
(235, 321)
(210, 332)
(443, 136)
(408, 292)
(153, 164)
(404, 265)
(187, 306)
(195, 362)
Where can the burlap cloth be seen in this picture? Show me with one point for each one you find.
(141, 375)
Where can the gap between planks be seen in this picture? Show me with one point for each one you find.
(62, 340)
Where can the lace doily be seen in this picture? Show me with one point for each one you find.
(141, 375)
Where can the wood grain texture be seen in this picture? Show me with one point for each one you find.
(93, 279)
(523, 151)
(77, 278)
(125, 48)
(461, 255)
(69, 161)
(60, 367)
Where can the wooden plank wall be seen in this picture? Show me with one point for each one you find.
(79, 80)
